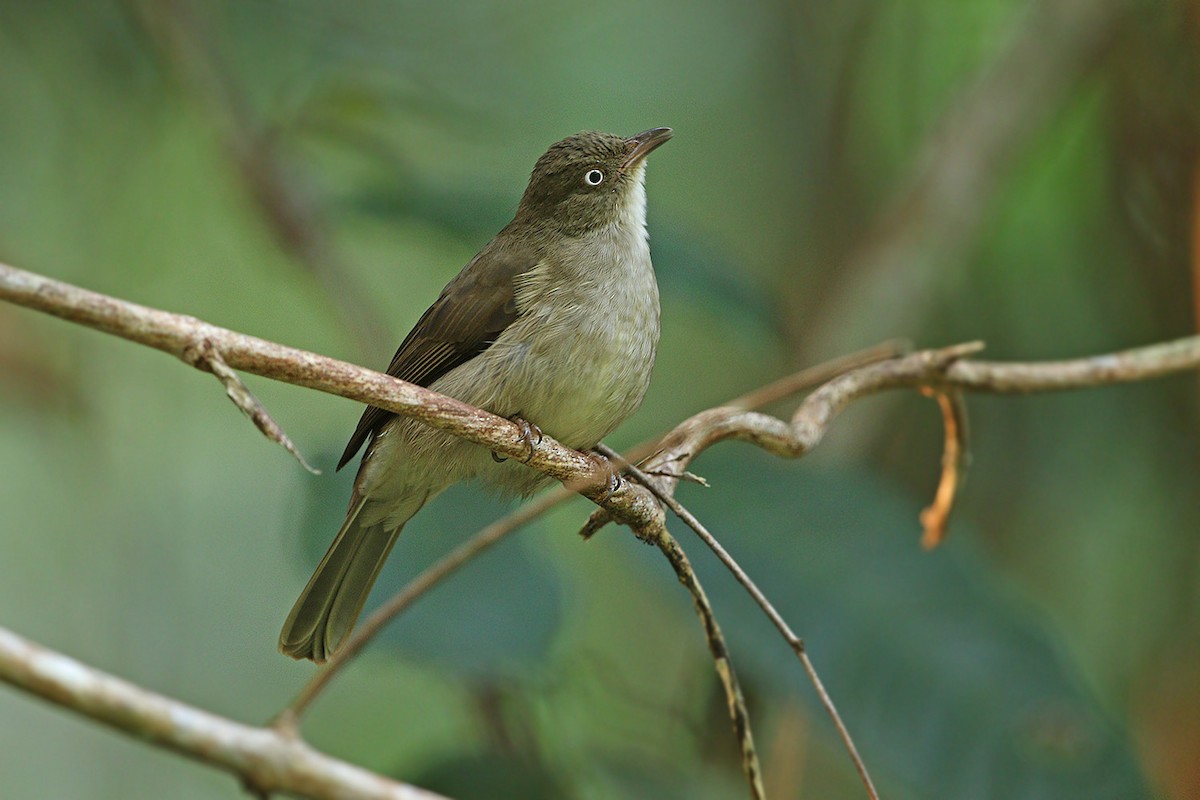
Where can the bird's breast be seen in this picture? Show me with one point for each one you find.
(577, 361)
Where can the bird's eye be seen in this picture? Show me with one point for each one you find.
(594, 177)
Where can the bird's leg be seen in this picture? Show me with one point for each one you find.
(528, 432)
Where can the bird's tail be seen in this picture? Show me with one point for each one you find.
(334, 597)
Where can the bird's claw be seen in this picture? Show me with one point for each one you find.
(528, 433)
(615, 481)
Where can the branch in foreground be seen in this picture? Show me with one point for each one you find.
(632, 505)
(267, 761)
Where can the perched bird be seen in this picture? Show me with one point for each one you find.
(554, 323)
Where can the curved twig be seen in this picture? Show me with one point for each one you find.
(955, 457)
(735, 700)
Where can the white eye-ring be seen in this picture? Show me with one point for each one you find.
(594, 177)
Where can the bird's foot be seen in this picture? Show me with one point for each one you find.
(529, 432)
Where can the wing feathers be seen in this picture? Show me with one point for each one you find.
(471, 313)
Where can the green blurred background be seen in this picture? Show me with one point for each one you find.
(313, 172)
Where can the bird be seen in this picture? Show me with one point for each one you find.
(553, 324)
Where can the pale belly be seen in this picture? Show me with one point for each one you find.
(576, 384)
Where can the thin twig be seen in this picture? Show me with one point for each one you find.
(785, 630)
(266, 760)
(955, 456)
(734, 698)
(794, 641)
(816, 375)
(205, 357)
(1123, 366)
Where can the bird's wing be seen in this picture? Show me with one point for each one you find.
(466, 319)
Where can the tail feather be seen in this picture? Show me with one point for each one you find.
(330, 604)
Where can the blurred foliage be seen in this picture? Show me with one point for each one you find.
(312, 172)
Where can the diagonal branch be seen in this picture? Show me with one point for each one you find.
(181, 335)
(266, 760)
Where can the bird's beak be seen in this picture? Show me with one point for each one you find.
(641, 145)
